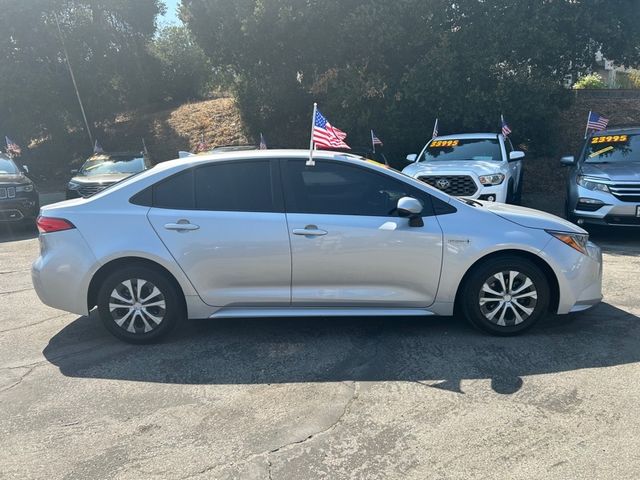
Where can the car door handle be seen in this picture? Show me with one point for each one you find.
(181, 226)
(310, 231)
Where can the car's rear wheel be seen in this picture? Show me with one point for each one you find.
(505, 296)
(139, 304)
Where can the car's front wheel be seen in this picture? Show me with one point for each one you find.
(505, 296)
(139, 304)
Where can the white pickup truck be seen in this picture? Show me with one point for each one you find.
(482, 166)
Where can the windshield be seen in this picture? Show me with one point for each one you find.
(105, 165)
(452, 150)
(8, 167)
(613, 149)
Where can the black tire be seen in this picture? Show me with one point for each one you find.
(472, 296)
(167, 305)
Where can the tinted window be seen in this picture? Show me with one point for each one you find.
(7, 166)
(235, 187)
(111, 164)
(339, 189)
(613, 148)
(176, 192)
(462, 149)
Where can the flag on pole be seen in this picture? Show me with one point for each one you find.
(597, 122)
(97, 148)
(435, 129)
(375, 141)
(326, 135)
(506, 130)
(13, 148)
(263, 142)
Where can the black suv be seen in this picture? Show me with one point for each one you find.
(103, 170)
(19, 199)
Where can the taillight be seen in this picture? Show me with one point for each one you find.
(50, 225)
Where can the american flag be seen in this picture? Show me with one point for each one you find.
(506, 130)
(13, 148)
(375, 140)
(597, 122)
(263, 143)
(327, 136)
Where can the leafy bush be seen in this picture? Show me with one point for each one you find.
(593, 81)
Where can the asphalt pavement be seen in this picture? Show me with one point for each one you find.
(385, 398)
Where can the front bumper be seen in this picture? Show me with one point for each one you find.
(495, 193)
(579, 276)
(611, 211)
(19, 208)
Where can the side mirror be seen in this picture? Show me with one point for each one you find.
(516, 155)
(568, 161)
(409, 207)
(25, 168)
(412, 158)
(74, 171)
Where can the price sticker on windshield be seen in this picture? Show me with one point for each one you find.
(610, 139)
(444, 144)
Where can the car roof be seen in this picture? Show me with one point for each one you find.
(468, 136)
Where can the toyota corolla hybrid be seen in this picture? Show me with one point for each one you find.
(264, 234)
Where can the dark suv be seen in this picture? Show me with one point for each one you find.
(18, 195)
(604, 183)
(103, 170)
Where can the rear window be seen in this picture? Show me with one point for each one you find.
(613, 149)
(477, 149)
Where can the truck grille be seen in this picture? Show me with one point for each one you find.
(456, 185)
(627, 192)
(91, 189)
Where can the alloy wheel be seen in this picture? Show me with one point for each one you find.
(137, 306)
(508, 298)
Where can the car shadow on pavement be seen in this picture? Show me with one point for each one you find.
(437, 352)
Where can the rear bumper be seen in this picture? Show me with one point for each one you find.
(63, 271)
(17, 209)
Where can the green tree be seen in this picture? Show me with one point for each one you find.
(186, 70)
(592, 81)
(395, 66)
(107, 45)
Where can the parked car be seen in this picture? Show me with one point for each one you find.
(19, 200)
(604, 182)
(482, 166)
(103, 170)
(262, 234)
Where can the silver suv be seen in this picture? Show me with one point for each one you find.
(483, 166)
(604, 182)
(262, 234)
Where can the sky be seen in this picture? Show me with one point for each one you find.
(171, 17)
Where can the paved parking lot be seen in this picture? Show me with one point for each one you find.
(312, 398)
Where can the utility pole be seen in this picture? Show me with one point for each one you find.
(73, 79)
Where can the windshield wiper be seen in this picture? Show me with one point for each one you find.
(472, 202)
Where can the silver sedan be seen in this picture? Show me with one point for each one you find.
(265, 234)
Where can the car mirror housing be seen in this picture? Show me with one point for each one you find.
(25, 168)
(516, 155)
(412, 158)
(411, 208)
(568, 161)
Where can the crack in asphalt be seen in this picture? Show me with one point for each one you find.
(34, 324)
(20, 380)
(16, 291)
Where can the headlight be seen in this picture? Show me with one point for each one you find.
(495, 179)
(593, 184)
(25, 188)
(577, 241)
(73, 186)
